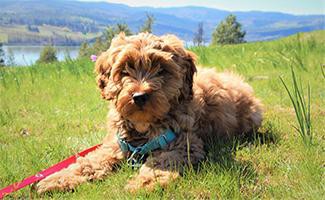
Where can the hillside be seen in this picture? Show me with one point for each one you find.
(84, 20)
(49, 112)
(45, 34)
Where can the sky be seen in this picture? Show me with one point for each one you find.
(287, 6)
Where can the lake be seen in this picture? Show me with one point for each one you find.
(27, 55)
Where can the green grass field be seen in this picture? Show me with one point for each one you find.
(50, 112)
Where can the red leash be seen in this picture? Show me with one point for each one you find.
(43, 174)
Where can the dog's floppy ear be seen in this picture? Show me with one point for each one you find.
(103, 70)
(185, 59)
(189, 63)
(103, 67)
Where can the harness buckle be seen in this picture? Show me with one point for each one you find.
(136, 159)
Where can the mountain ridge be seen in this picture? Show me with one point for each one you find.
(92, 17)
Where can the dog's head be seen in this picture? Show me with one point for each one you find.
(145, 75)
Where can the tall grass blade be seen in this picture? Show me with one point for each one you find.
(323, 72)
(302, 110)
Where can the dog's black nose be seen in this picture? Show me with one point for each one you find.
(140, 98)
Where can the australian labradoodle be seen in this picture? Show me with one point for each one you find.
(152, 85)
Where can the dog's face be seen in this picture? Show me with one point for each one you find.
(145, 75)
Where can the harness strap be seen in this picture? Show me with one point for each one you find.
(159, 142)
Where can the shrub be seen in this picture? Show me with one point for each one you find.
(47, 55)
(84, 50)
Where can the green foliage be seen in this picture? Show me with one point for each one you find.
(2, 56)
(84, 50)
(103, 42)
(122, 27)
(198, 39)
(47, 55)
(148, 24)
(229, 31)
(98, 47)
(302, 109)
(113, 31)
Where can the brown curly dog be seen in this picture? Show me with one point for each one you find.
(152, 85)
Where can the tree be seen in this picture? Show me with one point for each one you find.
(122, 27)
(229, 31)
(103, 42)
(84, 50)
(112, 31)
(147, 26)
(98, 46)
(48, 55)
(198, 36)
(109, 34)
(2, 56)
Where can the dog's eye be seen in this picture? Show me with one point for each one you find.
(161, 72)
(130, 66)
(124, 73)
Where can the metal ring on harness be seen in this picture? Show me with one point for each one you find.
(136, 159)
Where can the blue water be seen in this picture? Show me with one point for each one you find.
(27, 55)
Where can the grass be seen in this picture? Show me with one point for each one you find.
(302, 109)
(49, 112)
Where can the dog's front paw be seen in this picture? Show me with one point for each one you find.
(58, 182)
(138, 183)
(148, 179)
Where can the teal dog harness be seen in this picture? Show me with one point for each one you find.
(138, 153)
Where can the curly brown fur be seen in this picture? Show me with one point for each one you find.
(207, 105)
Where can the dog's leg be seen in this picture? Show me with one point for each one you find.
(165, 166)
(95, 165)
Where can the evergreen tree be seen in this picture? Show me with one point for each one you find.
(112, 31)
(2, 56)
(122, 27)
(229, 31)
(47, 55)
(198, 37)
(109, 34)
(147, 26)
(103, 42)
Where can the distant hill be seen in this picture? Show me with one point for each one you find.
(71, 22)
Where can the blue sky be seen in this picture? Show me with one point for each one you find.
(288, 6)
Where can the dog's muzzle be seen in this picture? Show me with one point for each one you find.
(140, 99)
